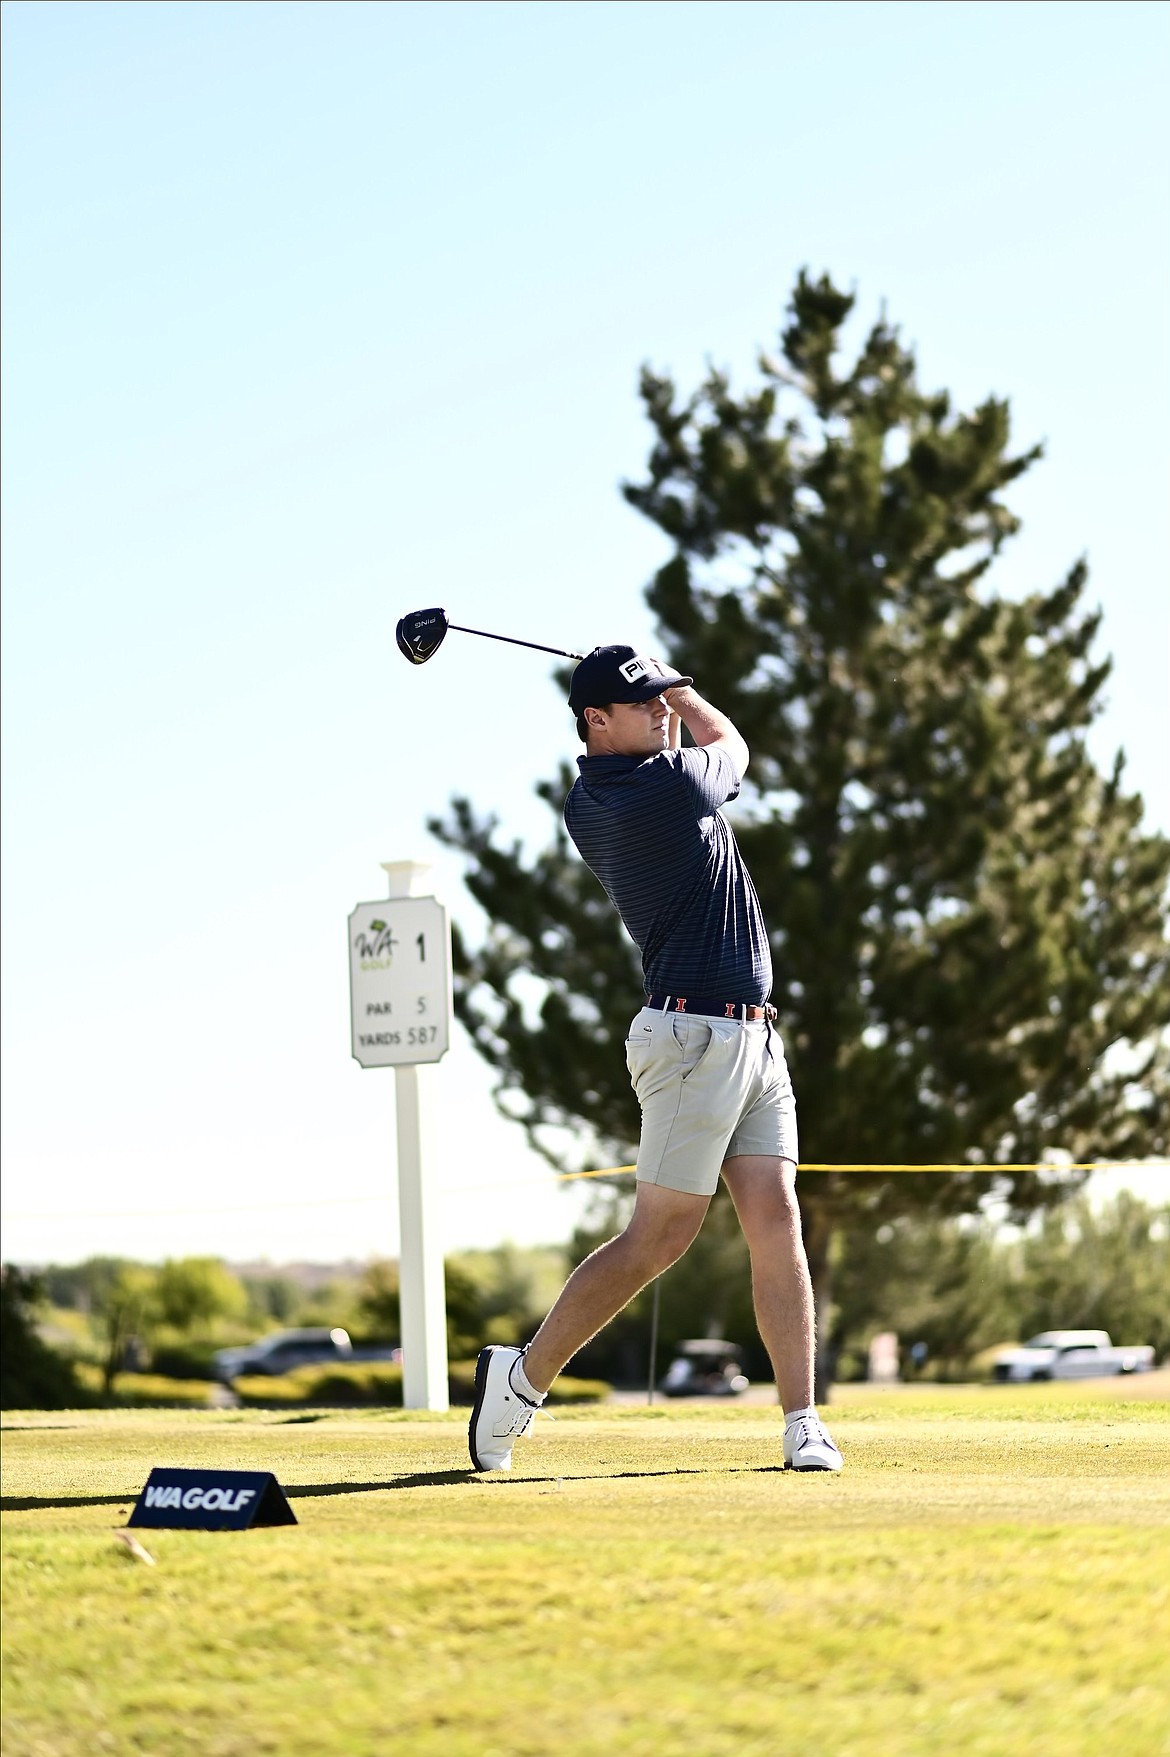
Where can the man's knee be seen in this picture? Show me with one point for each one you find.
(764, 1193)
(659, 1251)
(785, 1203)
(659, 1240)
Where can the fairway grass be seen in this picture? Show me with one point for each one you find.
(989, 1576)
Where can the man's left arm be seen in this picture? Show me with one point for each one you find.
(674, 730)
(674, 725)
(707, 726)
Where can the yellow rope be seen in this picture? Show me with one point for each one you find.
(983, 1165)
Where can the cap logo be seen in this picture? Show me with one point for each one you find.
(632, 669)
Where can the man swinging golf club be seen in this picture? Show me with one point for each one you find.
(706, 1065)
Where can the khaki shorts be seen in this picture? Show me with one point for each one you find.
(710, 1089)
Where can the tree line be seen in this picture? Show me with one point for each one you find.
(116, 1314)
(956, 1286)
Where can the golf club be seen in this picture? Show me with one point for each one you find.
(420, 635)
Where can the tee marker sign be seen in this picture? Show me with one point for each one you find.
(400, 1017)
(400, 982)
(211, 1500)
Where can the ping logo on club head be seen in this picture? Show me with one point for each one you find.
(632, 669)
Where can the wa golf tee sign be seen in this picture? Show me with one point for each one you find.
(211, 1500)
(400, 982)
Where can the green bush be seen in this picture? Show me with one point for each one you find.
(184, 1360)
(378, 1384)
(262, 1391)
(336, 1385)
(461, 1383)
(154, 1391)
(567, 1390)
(145, 1390)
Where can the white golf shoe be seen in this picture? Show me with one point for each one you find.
(500, 1414)
(807, 1443)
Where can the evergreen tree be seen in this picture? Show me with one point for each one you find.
(32, 1375)
(967, 917)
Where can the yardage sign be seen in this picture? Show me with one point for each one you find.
(400, 982)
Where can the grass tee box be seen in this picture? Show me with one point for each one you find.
(989, 1576)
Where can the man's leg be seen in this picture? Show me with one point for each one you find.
(764, 1193)
(663, 1224)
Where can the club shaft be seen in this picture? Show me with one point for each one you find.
(561, 652)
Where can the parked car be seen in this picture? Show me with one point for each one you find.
(283, 1352)
(705, 1368)
(1070, 1354)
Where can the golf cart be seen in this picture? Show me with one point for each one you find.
(705, 1368)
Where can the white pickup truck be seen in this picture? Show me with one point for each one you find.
(1070, 1354)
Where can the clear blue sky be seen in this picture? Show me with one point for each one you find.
(318, 313)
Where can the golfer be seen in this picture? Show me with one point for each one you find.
(706, 1065)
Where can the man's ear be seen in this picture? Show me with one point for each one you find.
(595, 718)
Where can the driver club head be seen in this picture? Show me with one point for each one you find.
(420, 634)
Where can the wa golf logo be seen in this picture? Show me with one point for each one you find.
(223, 1500)
(211, 1500)
(375, 945)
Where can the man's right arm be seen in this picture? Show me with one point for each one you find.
(707, 726)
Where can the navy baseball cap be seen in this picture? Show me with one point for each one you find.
(619, 674)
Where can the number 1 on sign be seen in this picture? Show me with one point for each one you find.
(421, 943)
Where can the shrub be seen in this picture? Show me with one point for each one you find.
(262, 1391)
(567, 1390)
(461, 1383)
(378, 1384)
(335, 1385)
(184, 1360)
(145, 1390)
(153, 1391)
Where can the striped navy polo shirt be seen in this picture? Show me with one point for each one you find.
(651, 830)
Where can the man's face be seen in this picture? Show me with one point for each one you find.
(632, 728)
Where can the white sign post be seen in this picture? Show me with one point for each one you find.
(400, 1008)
